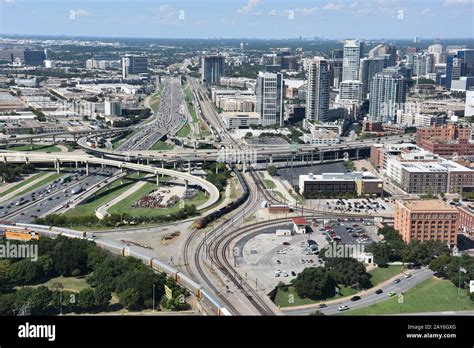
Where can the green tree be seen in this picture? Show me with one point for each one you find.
(102, 296)
(130, 299)
(314, 283)
(24, 272)
(86, 299)
(272, 170)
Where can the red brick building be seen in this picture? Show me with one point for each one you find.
(446, 140)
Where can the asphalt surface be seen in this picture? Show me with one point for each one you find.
(43, 200)
(370, 297)
(171, 117)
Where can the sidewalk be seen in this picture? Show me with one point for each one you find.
(101, 211)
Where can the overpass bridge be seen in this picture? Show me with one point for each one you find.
(57, 159)
(261, 153)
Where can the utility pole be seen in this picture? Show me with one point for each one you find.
(153, 297)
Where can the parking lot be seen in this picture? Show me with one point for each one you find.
(268, 259)
(366, 206)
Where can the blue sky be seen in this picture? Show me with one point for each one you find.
(240, 18)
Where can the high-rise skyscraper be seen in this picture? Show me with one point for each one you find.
(353, 52)
(467, 56)
(269, 91)
(437, 51)
(388, 52)
(317, 94)
(368, 68)
(212, 69)
(388, 92)
(350, 91)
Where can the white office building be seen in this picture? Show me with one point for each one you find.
(353, 52)
(317, 92)
(269, 91)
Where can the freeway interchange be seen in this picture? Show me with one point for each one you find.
(207, 255)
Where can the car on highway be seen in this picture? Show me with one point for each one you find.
(396, 281)
(391, 294)
(407, 275)
(342, 308)
(322, 305)
(379, 291)
(355, 298)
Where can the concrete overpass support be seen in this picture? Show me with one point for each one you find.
(185, 184)
(54, 139)
(189, 167)
(321, 157)
(357, 154)
(57, 165)
(87, 168)
(162, 167)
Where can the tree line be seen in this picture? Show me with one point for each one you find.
(106, 274)
(114, 220)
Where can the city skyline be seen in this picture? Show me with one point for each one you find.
(335, 19)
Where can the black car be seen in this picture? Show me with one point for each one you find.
(322, 305)
(379, 291)
(355, 298)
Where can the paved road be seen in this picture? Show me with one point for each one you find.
(42, 201)
(369, 297)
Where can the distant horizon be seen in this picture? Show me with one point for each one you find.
(259, 19)
(306, 38)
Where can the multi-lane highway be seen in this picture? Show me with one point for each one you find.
(60, 158)
(171, 116)
(43, 200)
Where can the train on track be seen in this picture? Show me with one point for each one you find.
(177, 275)
(35, 231)
(204, 222)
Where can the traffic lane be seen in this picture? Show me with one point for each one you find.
(371, 298)
(56, 199)
(59, 198)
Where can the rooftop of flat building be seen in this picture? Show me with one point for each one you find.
(428, 205)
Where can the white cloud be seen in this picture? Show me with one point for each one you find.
(251, 4)
(458, 2)
(333, 6)
(164, 14)
(306, 10)
(82, 13)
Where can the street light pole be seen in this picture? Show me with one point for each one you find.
(153, 297)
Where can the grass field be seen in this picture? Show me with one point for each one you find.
(23, 183)
(162, 146)
(40, 183)
(184, 131)
(35, 148)
(290, 298)
(379, 275)
(269, 184)
(69, 283)
(125, 206)
(433, 295)
(104, 195)
(155, 101)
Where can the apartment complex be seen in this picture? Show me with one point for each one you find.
(418, 171)
(447, 141)
(426, 220)
(317, 93)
